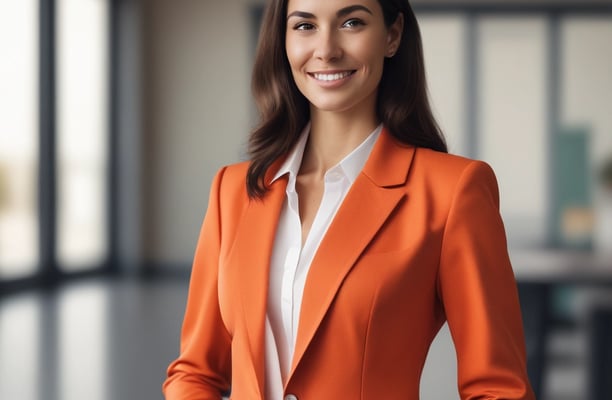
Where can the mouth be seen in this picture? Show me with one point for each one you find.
(331, 76)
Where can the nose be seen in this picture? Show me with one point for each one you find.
(328, 46)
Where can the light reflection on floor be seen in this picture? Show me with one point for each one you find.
(83, 343)
(19, 348)
(112, 340)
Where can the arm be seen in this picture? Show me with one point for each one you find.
(478, 291)
(202, 370)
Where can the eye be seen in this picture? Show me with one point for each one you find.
(303, 26)
(353, 23)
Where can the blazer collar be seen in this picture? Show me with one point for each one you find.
(389, 162)
(251, 253)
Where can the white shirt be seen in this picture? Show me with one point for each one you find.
(290, 261)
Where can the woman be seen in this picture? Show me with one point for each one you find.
(327, 264)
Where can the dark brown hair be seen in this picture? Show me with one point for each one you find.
(402, 105)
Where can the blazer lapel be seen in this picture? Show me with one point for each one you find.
(252, 251)
(374, 195)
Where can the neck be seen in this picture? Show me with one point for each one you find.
(332, 137)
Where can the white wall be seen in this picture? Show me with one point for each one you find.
(197, 114)
(445, 60)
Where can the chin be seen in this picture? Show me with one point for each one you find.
(330, 105)
(336, 107)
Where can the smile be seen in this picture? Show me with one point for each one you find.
(331, 77)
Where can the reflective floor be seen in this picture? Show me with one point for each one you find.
(112, 340)
(96, 340)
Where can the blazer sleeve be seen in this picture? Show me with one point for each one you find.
(479, 293)
(203, 369)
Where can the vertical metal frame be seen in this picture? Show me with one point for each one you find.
(112, 262)
(555, 59)
(47, 132)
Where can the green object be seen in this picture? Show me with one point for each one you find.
(572, 180)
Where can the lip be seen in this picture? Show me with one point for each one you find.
(331, 78)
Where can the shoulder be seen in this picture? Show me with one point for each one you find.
(233, 174)
(230, 181)
(448, 176)
(450, 167)
(228, 195)
(445, 162)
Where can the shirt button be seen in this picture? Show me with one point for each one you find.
(291, 397)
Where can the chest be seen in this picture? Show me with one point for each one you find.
(309, 194)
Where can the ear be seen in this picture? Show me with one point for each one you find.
(394, 35)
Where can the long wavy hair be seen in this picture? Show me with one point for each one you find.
(402, 102)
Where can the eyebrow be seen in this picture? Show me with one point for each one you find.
(341, 13)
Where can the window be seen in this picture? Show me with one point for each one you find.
(19, 146)
(82, 152)
(585, 117)
(512, 122)
(54, 138)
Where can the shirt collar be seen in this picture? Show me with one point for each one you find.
(292, 163)
(351, 165)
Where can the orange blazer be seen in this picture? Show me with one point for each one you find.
(418, 241)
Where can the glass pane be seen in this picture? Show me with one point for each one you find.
(513, 120)
(586, 108)
(82, 133)
(19, 247)
(444, 47)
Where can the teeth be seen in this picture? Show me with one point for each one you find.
(331, 77)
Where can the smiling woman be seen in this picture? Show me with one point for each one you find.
(336, 56)
(328, 262)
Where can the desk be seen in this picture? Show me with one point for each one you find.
(537, 273)
(561, 266)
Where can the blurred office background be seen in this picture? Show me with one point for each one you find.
(115, 114)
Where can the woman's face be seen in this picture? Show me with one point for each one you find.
(336, 50)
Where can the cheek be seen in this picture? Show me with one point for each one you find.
(370, 51)
(295, 54)
(378, 54)
(373, 61)
(378, 60)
